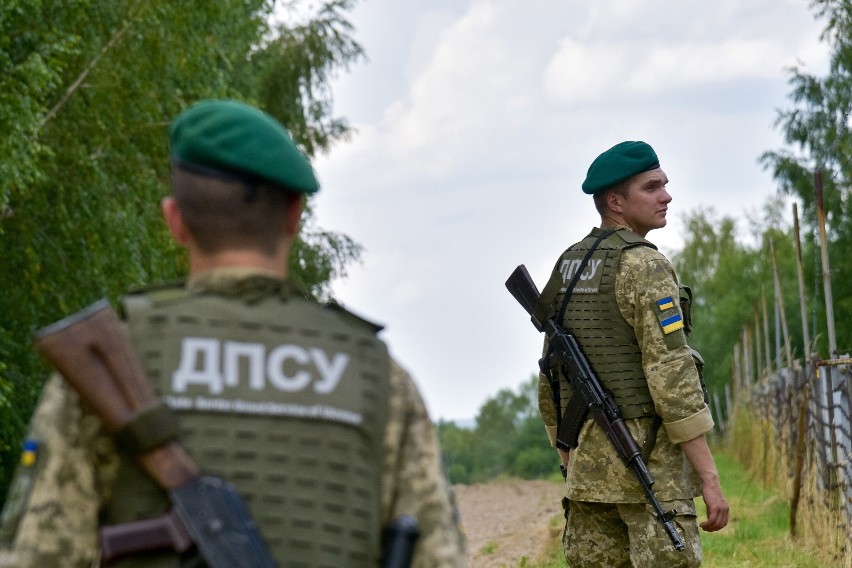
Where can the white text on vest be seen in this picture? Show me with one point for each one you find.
(216, 363)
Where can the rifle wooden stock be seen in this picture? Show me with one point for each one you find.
(93, 353)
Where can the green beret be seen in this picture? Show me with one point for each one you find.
(236, 139)
(620, 162)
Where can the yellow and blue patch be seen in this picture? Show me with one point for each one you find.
(29, 456)
(669, 316)
(672, 323)
(19, 492)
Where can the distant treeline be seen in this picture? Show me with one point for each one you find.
(508, 439)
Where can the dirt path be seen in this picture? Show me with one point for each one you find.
(507, 520)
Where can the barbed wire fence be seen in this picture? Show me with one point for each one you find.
(803, 418)
(790, 421)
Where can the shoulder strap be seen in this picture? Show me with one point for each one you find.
(544, 363)
(542, 308)
(632, 239)
(576, 278)
(143, 298)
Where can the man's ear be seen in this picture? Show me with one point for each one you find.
(615, 202)
(293, 216)
(174, 220)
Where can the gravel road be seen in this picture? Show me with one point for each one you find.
(507, 520)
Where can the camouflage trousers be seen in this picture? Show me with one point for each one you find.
(627, 535)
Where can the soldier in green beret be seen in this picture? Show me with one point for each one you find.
(623, 304)
(296, 403)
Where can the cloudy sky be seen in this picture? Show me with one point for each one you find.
(476, 122)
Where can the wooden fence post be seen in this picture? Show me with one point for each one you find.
(803, 302)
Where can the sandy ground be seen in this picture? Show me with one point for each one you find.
(507, 520)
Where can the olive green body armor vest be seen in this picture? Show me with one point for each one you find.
(280, 396)
(593, 316)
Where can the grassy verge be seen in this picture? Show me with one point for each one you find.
(757, 536)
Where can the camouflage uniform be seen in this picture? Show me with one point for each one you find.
(603, 495)
(52, 514)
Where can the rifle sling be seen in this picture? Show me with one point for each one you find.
(575, 413)
(651, 440)
(150, 428)
(576, 278)
(568, 431)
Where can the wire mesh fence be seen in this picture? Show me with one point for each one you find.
(803, 418)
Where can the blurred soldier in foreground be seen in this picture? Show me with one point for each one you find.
(623, 304)
(295, 403)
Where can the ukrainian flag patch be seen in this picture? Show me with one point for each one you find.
(672, 323)
(29, 456)
(665, 303)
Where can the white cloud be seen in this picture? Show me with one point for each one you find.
(467, 89)
(489, 114)
(581, 72)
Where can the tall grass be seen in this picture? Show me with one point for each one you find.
(770, 460)
(757, 535)
(758, 532)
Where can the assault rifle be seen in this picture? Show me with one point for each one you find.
(93, 353)
(568, 353)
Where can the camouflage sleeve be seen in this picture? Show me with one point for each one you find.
(546, 406)
(648, 298)
(51, 515)
(413, 481)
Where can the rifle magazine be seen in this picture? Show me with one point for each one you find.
(568, 432)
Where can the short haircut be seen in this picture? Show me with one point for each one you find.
(226, 212)
(600, 198)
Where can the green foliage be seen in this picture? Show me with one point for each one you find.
(758, 533)
(817, 130)
(457, 446)
(294, 72)
(320, 256)
(87, 90)
(488, 548)
(732, 282)
(508, 439)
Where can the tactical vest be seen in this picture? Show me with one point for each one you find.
(592, 314)
(280, 396)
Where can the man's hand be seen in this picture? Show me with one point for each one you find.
(563, 456)
(717, 507)
(698, 454)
